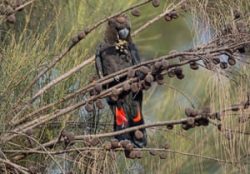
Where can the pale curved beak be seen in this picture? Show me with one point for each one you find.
(123, 33)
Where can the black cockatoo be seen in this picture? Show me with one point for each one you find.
(115, 53)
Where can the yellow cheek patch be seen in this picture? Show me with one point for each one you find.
(121, 45)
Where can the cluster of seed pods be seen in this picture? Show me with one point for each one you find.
(146, 75)
(67, 137)
(8, 9)
(129, 149)
(192, 121)
(156, 3)
(238, 26)
(126, 145)
(224, 64)
(136, 12)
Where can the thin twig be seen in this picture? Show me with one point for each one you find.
(121, 149)
(111, 134)
(15, 166)
(23, 6)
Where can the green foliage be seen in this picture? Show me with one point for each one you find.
(45, 28)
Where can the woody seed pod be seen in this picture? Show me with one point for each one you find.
(135, 87)
(231, 61)
(114, 97)
(98, 88)
(185, 126)
(18, 3)
(235, 108)
(163, 155)
(223, 65)
(164, 64)
(156, 3)
(181, 76)
(188, 112)
(173, 14)
(9, 10)
(242, 50)
(149, 78)
(126, 86)
(216, 60)
(131, 155)
(129, 147)
(87, 142)
(166, 146)
(237, 14)
(184, 7)
(99, 104)
(194, 66)
(75, 40)
(138, 135)
(89, 107)
(115, 144)
(131, 73)
(171, 73)
(170, 126)
(146, 85)
(178, 71)
(203, 122)
(11, 19)
(197, 123)
(68, 137)
(157, 65)
(94, 141)
(81, 35)
(136, 12)
(86, 31)
(115, 91)
(213, 116)
(153, 152)
(190, 122)
(138, 154)
(167, 17)
(160, 79)
(29, 132)
(218, 116)
(124, 143)
(219, 127)
(144, 69)
(191, 112)
(92, 92)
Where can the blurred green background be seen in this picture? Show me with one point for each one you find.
(44, 28)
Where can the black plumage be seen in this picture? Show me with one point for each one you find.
(115, 53)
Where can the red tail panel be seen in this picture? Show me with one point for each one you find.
(120, 116)
(138, 116)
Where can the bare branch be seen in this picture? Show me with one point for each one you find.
(15, 166)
